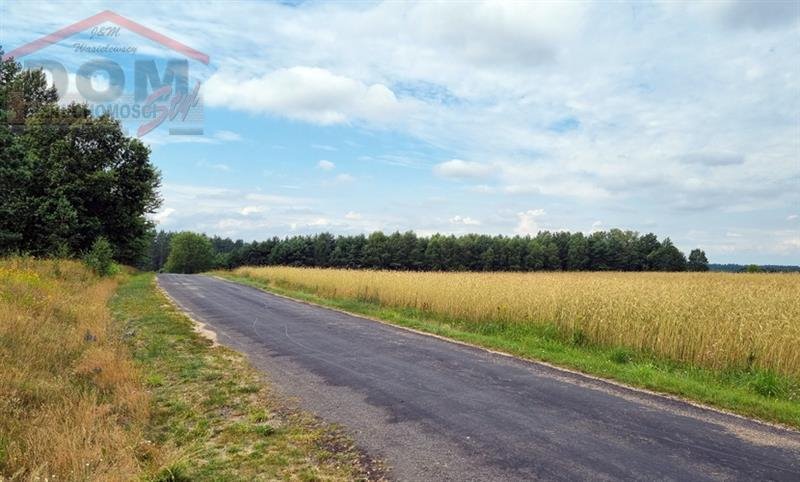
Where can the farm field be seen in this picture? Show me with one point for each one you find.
(725, 339)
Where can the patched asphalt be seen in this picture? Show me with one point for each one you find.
(436, 410)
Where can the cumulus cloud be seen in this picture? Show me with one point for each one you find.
(353, 216)
(528, 221)
(326, 165)
(310, 94)
(458, 169)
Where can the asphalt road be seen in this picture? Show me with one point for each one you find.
(436, 410)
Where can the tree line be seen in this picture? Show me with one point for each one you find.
(754, 268)
(613, 250)
(68, 179)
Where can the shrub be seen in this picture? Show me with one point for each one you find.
(101, 258)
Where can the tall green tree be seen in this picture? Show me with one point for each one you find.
(697, 260)
(159, 250)
(667, 258)
(577, 252)
(190, 253)
(69, 177)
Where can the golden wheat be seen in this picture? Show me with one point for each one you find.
(715, 320)
(72, 406)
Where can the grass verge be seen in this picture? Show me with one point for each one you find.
(214, 413)
(73, 406)
(754, 393)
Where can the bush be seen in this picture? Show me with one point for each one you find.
(101, 258)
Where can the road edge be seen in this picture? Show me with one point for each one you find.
(619, 386)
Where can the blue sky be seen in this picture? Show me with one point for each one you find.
(679, 118)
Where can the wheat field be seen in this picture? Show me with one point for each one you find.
(713, 320)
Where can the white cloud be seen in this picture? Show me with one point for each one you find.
(465, 220)
(353, 216)
(792, 217)
(305, 93)
(236, 212)
(458, 169)
(789, 245)
(247, 210)
(528, 221)
(161, 216)
(326, 165)
(227, 136)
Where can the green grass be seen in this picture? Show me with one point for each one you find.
(752, 393)
(213, 413)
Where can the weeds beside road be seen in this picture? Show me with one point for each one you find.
(73, 405)
(134, 393)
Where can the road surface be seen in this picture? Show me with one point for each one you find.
(435, 410)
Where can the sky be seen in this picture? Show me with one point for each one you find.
(677, 118)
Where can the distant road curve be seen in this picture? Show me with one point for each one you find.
(436, 410)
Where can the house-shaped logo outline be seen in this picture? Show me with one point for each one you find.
(107, 16)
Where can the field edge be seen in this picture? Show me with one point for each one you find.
(700, 387)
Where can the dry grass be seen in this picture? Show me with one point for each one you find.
(81, 400)
(72, 406)
(714, 320)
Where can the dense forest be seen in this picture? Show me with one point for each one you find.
(613, 250)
